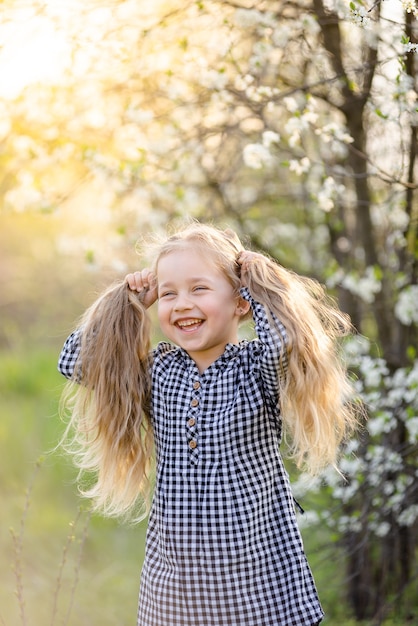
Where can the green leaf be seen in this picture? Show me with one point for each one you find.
(184, 43)
(90, 256)
(380, 114)
(411, 353)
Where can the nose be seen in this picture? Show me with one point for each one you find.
(182, 302)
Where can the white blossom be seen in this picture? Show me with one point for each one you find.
(334, 132)
(291, 104)
(381, 460)
(388, 489)
(310, 24)
(373, 370)
(356, 347)
(248, 18)
(260, 93)
(242, 82)
(309, 117)
(409, 516)
(398, 218)
(395, 501)
(256, 156)
(281, 36)
(382, 529)
(299, 166)
(410, 6)
(22, 198)
(412, 428)
(349, 524)
(297, 124)
(360, 16)
(404, 85)
(383, 423)
(365, 287)
(330, 192)
(410, 47)
(351, 466)
(413, 375)
(213, 79)
(406, 308)
(270, 138)
(306, 483)
(308, 518)
(260, 56)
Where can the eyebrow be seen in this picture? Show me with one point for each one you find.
(193, 279)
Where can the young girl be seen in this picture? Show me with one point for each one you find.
(223, 546)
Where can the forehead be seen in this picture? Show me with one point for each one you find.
(189, 260)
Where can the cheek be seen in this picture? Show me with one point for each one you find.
(160, 311)
(163, 314)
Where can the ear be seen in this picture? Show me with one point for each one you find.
(243, 306)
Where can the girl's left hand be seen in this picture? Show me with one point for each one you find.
(245, 259)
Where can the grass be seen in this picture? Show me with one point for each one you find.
(58, 566)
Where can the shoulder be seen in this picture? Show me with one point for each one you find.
(250, 352)
(164, 348)
(165, 353)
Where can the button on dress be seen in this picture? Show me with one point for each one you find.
(223, 546)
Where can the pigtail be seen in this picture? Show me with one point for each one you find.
(316, 394)
(109, 431)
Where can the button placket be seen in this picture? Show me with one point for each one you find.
(191, 423)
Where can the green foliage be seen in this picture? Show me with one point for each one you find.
(56, 566)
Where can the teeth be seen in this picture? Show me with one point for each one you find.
(188, 323)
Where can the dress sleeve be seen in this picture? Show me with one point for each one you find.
(273, 340)
(69, 354)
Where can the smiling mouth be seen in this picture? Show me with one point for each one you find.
(189, 325)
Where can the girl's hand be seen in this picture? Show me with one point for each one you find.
(245, 259)
(145, 283)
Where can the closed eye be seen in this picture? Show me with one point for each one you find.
(166, 294)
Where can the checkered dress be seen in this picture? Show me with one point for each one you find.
(223, 547)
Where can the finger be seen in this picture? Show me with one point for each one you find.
(152, 281)
(130, 279)
(135, 281)
(148, 280)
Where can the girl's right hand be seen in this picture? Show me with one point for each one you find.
(145, 283)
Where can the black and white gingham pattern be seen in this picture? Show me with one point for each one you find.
(69, 354)
(223, 547)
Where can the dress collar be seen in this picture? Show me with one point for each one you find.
(231, 350)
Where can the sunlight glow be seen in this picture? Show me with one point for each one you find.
(33, 51)
(47, 41)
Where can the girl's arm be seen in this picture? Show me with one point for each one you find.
(316, 397)
(144, 283)
(69, 354)
(270, 331)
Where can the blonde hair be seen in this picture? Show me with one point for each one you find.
(110, 410)
(316, 396)
(109, 431)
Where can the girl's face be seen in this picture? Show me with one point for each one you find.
(198, 308)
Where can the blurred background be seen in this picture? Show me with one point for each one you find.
(294, 123)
